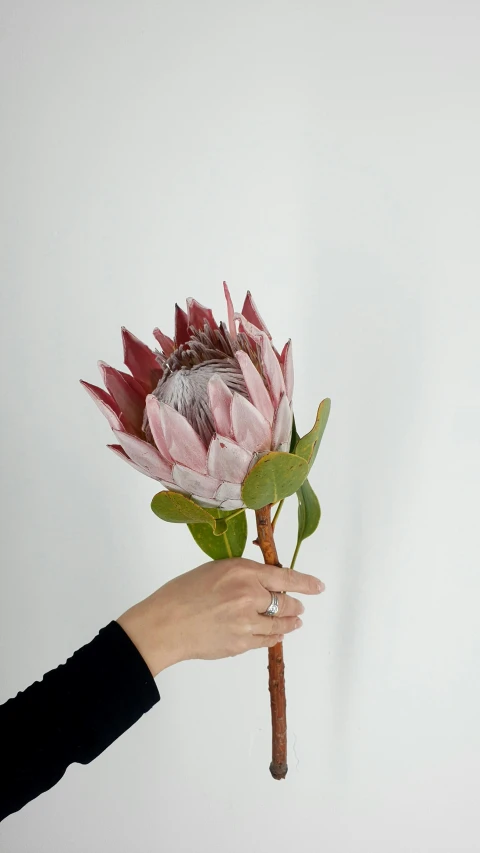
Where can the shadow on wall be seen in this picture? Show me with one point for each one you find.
(376, 342)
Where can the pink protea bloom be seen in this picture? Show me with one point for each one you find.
(198, 414)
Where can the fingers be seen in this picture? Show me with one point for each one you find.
(272, 625)
(287, 606)
(288, 580)
(260, 642)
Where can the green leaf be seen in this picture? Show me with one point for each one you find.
(295, 437)
(179, 509)
(309, 514)
(230, 543)
(308, 446)
(275, 476)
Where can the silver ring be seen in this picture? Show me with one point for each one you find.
(273, 607)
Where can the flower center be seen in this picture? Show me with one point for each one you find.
(186, 373)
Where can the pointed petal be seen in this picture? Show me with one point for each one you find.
(172, 487)
(286, 361)
(119, 451)
(198, 315)
(220, 399)
(252, 314)
(181, 326)
(174, 436)
(230, 505)
(282, 428)
(140, 360)
(105, 403)
(255, 386)
(208, 503)
(251, 430)
(128, 399)
(152, 408)
(227, 461)
(133, 383)
(165, 342)
(229, 491)
(230, 312)
(270, 364)
(144, 455)
(195, 483)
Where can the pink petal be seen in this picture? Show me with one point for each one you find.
(229, 491)
(165, 342)
(230, 312)
(270, 364)
(255, 386)
(198, 315)
(128, 399)
(227, 460)
(220, 398)
(152, 407)
(119, 451)
(231, 505)
(181, 326)
(195, 483)
(251, 313)
(286, 361)
(144, 455)
(133, 383)
(140, 360)
(175, 437)
(105, 403)
(172, 487)
(205, 502)
(251, 430)
(282, 428)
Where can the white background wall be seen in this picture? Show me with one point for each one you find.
(326, 156)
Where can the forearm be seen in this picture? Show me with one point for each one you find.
(72, 715)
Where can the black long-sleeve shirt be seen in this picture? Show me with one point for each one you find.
(72, 715)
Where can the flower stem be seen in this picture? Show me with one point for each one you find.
(276, 667)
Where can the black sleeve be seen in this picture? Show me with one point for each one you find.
(72, 715)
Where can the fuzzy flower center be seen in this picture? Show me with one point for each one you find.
(186, 374)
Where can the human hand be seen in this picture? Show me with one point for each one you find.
(215, 611)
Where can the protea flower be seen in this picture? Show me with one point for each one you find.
(198, 414)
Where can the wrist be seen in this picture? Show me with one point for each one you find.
(150, 640)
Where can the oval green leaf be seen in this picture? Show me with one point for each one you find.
(230, 543)
(179, 509)
(309, 514)
(275, 476)
(307, 447)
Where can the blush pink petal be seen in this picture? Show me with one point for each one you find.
(140, 360)
(172, 487)
(255, 386)
(228, 506)
(105, 403)
(165, 342)
(144, 455)
(229, 491)
(195, 483)
(129, 400)
(252, 314)
(282, 427)
(181, 326)
(152, 407)
(184, 445)
(286, 361)
(230, 312)
(227, 461)
(270, 363)
(198, 315)
(220, 399)
(250, 429)
(208, 503)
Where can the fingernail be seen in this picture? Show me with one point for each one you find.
(320, 586)
(302, 609)
(298, 623)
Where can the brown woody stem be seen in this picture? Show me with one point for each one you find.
(276, 667)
